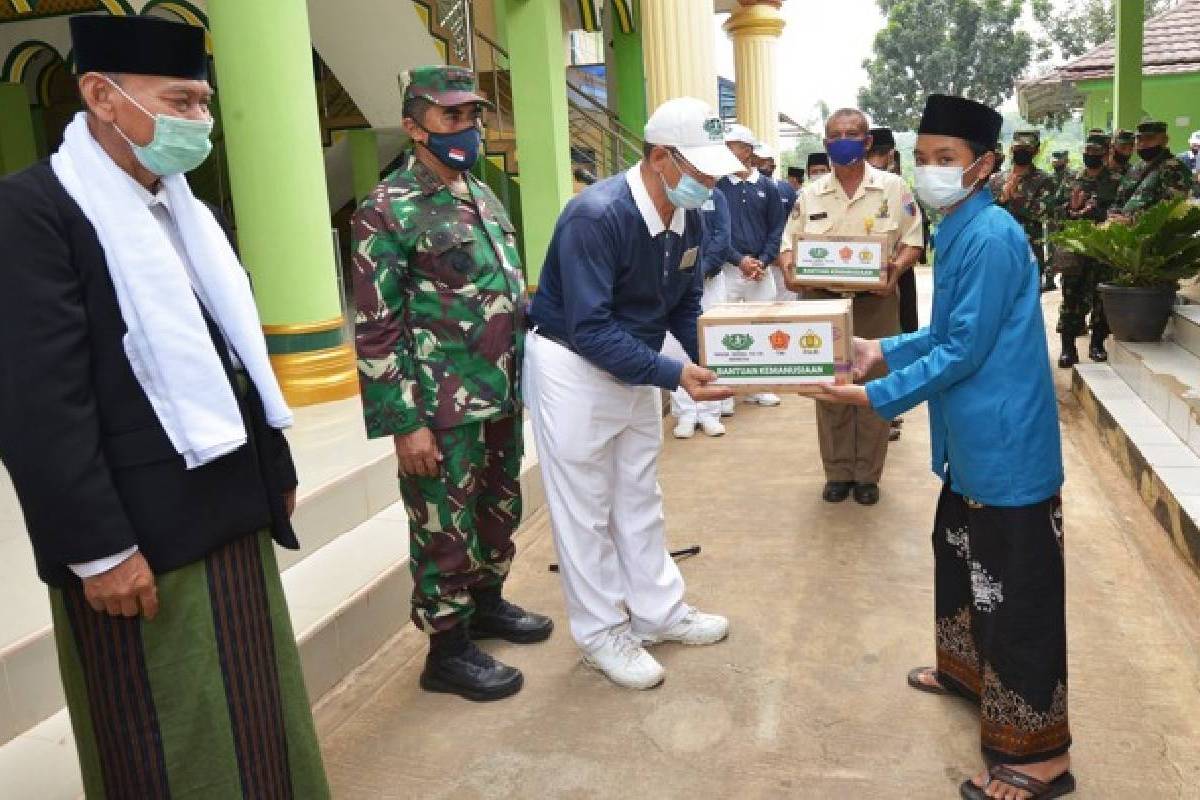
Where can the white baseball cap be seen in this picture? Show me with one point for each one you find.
(764, 151)
(740, 133)
(690, 126)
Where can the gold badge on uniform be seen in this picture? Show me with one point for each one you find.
(883, 210)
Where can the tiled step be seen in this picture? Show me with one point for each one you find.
(1166, 377)
(1165, 472)
(1185, 327)
(346, 599)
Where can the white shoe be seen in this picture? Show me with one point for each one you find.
(728, 406)
(764, 399)
(626, 663)
(712, 426)
(695, 628)
(685, 428)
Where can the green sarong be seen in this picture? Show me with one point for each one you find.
(206, 701)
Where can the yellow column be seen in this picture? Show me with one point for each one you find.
(755, 27)
(677, 42)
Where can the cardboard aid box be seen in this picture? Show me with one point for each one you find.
(778, 347)
(839, 263)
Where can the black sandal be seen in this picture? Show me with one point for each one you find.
(1064, 784)
(914, 680)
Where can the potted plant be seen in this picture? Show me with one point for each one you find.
(1148, 257)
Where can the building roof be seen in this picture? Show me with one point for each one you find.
(1170, 46)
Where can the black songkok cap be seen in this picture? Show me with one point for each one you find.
(795, 172)
(818, 159)
(1099, 140)
(1152, 126)
(882, 139)
(946, 115)
(1060, 155)
(138, 46)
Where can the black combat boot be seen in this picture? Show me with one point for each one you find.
(1096, 351)
(496, 618)
(455, 665)
(1049, 285)
(837, 491)
(1070, 355)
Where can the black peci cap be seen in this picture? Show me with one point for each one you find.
(947, 115)
(882, 139)
(138, 46)
(795, 172)
(818, 159)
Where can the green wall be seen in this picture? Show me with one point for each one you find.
(1174, 99)
(18, 143)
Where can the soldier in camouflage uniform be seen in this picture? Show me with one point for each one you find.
(1063, 176)
(1024, 191)
(1161, 175)
(440, 332)
(1122, 151)
(1088, 197)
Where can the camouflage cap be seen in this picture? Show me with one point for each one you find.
(1094, 131)
(1059, 155)
(1027, 138)
(1151, 126)
(1098, 140)
(1123, 136)
(441, 85)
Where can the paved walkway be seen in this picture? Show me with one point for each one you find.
(830, 606)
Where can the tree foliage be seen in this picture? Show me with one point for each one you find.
(1076, 26)
(971, 48)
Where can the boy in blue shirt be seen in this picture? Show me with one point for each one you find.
(983, 366)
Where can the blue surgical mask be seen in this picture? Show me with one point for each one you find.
(845, 152)
(458, 151)
(689, 193)
(179, 145)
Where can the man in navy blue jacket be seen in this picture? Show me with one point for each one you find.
(756, 222)
(623, 269)
(715, 250)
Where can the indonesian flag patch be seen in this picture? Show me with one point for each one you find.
(458, 154)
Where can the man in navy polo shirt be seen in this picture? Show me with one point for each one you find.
(623, 269)
(756, 221)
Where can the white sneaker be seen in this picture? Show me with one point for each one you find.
(764, 399)
(728, 406)
(695, 628)
(712, 426)
(685, 428)
(626, 663)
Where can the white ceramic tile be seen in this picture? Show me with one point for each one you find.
(1151, 434)
(34, 687)
(1181, 480)
(383, 487)
(1169, 455)
(321, 662)
(1179, 416)
(1157, 396)
(1190, 504)
(42, 764)
(1194, 437)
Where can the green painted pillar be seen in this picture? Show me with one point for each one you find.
(18, 143)
(1127, 82)
(630, 77)
(538, 65)
(364, 162)
(264, 69)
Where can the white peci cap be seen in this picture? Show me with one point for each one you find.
(740, 133)
(690, 126)
(764, 150)
(1195, 138)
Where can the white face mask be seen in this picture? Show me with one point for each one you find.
(942, 187)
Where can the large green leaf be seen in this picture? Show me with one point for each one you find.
(1159, 249)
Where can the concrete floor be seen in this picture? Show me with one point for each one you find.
(830, 607)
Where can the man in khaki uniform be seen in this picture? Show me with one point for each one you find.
(856, 199)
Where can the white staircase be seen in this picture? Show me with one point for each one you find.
(1146, 405)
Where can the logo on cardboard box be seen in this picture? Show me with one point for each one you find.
(811, 342)
(866, 256)
(779, 341)
(737, 341)
(846, 253)
(818, 253)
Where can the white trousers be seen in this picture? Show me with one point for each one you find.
(598, 442)
(781, 290)
(682, 404)
(739, 289)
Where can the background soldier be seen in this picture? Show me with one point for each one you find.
(1024, 190)
(1161, 176)
(1122, 151)
(440, 294)
(1088, 196)
(1063, 176)
(818, 165)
